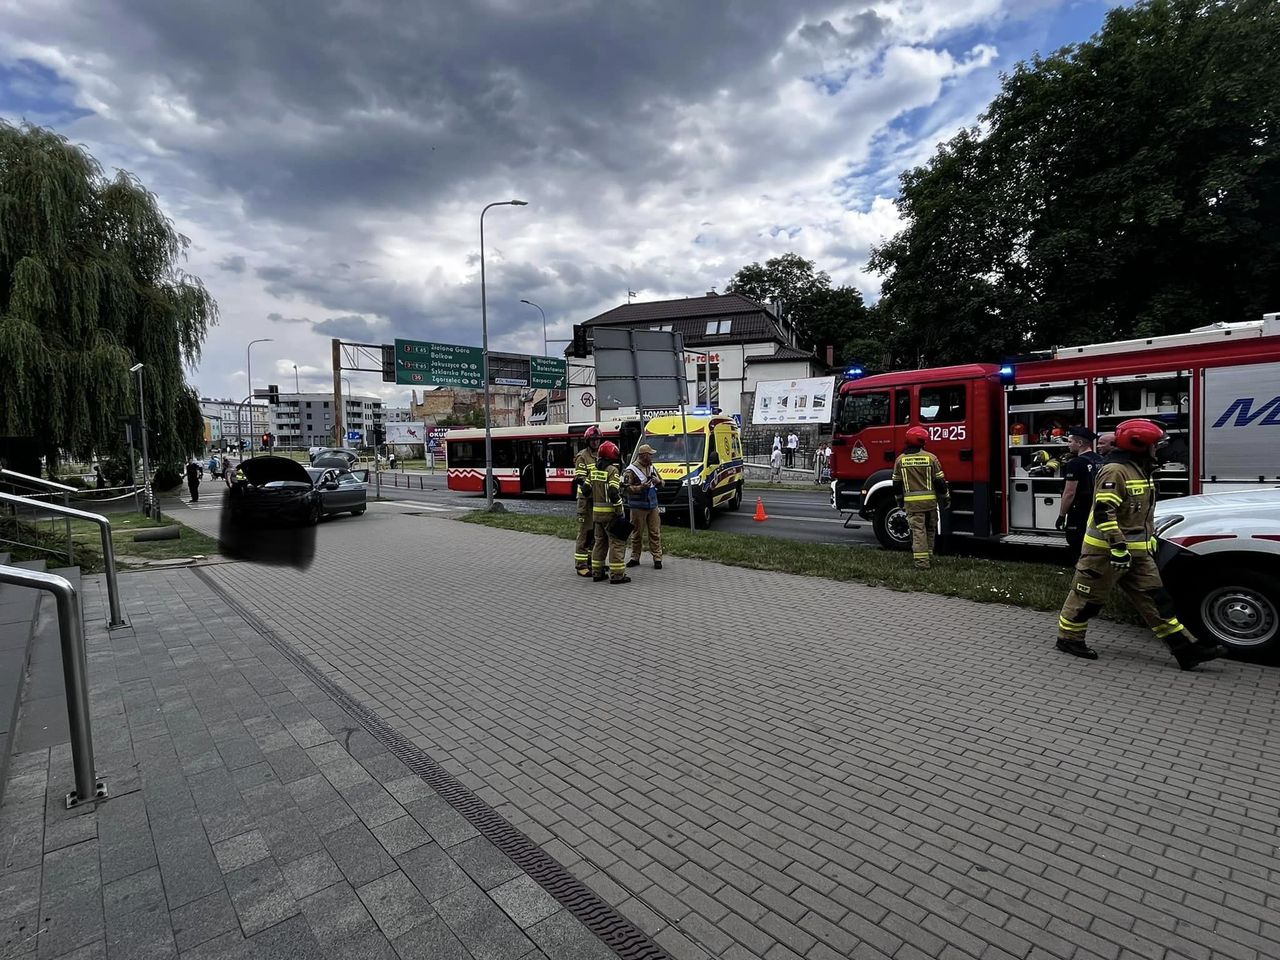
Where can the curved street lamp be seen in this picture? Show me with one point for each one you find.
(248, 369)
(484, 331)
(544, 325)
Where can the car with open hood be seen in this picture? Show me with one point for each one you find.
(274, 489)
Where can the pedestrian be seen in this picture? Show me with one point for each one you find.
(391, 460)
(1118, 543)
(1077, 492)
(920, 488)
(793, 444)
(214, 472)
(582, 466)
(99, 479)
(606, 507)
(643, 482)
(193, 480)
(1106, 443)
(777, 441)
(775, 465)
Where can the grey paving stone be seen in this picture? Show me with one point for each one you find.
(385, 768)
(401, 836)
(395, 904)
(19, 892)
(124, 837)
(253, 775)
(431, 940)
(260, 896)
(330, 752)
(341, 922)
(345, 773)
(142, 890)
(310, 874)
(524, 901)
(372, 804)
(70, 900)
(290, 764)
(561, 937)
(21, 835)
(483, 929)
(187, 866)
(484, 862)
(229, 946)
(202, 920)
(290, 940)
(331, 817)
(237, 852)
(433, 872)
(143, 934)
(18, 934)
(289, 835)
(410, 788)
(445, 824)
(313, 791)
(65, 832)
(358, 854)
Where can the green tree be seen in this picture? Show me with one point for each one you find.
(824, 316)
(1126, 186)
(90, 284)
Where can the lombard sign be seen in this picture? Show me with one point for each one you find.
(1242, 422)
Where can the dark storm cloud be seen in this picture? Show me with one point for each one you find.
(232, 264)
(349, 328)
(280, 318)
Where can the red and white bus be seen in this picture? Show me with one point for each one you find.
(529, 460)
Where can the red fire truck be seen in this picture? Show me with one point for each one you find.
(1215, 389)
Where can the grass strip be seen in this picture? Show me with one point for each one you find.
(1036, 586)
(86, 540)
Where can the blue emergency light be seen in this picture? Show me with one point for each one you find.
(853, 372)
(1006, 373)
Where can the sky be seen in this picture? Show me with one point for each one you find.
(329, 159)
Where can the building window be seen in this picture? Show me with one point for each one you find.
(715, 327)
(309, 404)
(708, 371)
(663, 326)
(326, 404)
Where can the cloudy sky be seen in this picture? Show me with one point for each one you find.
(329, 158)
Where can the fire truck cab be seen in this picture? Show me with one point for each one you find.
(1216, 390)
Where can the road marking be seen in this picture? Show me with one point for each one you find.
(422, 505)
(783, 516)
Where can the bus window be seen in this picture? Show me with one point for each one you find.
(465, 453)
(858, 411)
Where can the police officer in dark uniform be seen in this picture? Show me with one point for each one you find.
(1077, 495)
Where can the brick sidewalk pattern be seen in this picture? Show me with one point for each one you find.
(249, 817)
(750, 764)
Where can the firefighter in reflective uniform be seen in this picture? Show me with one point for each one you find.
(920, 486)
(606, 506)
(582, 464)
(1117, 552)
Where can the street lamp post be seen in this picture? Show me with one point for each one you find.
(484, 330)
(544, 326)
(142, 425)
(296, 387)
(248, 354)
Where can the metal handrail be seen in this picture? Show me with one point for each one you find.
(38, 481)
(75, 675)
(108, 549)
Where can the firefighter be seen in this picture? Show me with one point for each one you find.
(920, 486)
(582, 464)
(606, 506)
(1117, 552)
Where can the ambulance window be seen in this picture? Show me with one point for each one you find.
(942, 404)
(902, 407)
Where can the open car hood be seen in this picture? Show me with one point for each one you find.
(260, 470)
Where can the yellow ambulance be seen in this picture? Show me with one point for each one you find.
(699, 452)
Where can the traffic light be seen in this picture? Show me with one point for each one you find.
(266, 441)
(273, 393)
(388, 363)
(579, 341)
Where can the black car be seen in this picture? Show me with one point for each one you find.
(341, 491)
(275, 489)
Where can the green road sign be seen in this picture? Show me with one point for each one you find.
(421, 363)
(548, 373)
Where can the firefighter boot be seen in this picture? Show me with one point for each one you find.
(1077, 648)
(1191, 654)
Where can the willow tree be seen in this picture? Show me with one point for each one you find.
(90, 284)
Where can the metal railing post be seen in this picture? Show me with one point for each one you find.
(108, 549)
(74, 674)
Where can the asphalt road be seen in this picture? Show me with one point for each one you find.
(801, 515)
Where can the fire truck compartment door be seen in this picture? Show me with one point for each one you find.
(1242, 423)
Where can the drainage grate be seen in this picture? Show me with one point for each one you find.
(620, 934)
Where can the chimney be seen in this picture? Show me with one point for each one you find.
(711, 293)
(831, 355)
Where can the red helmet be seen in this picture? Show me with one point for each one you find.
(608, 451)
(591, 433)
(917, 436)
(1138, 436)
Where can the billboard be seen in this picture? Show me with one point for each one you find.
(794, 401)
(406, 432)
(1242, 422)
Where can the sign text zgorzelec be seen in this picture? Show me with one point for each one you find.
(423, 363)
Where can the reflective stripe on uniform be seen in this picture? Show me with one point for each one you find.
(1168, 628)
(1071, 626)
(919, 496)
(1137, 546)
(1109, 498)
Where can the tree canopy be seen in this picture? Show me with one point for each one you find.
(825, 316)
(1126, 186)
(90, 284)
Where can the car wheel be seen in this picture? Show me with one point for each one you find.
(891, 526)
(314, 513)
(1239, 609)
(358, 510)
(736, 502)
(702, 514)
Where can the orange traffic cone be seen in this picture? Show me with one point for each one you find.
(760, 514)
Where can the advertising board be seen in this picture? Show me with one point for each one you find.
(806, 400)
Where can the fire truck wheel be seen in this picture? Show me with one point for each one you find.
(1238, 608)
(890, 525)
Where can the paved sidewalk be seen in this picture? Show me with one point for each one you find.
(250, 816)
(750, 764)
